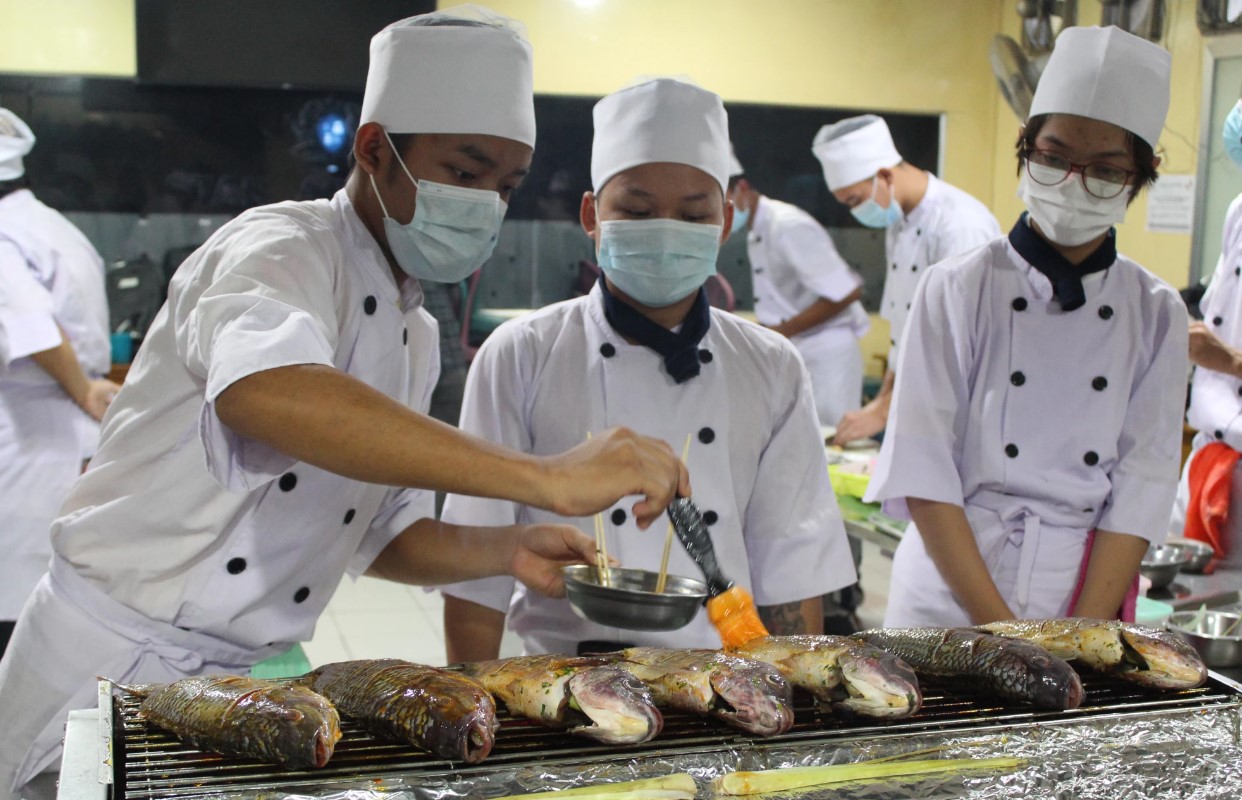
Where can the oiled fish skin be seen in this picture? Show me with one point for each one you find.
(585, 695)
(245, 717)
(1146, 656)
(1011, 668)
(742, 692)
(842, 672)
(444, 712)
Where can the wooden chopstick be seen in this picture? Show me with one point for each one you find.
(668, 537)
(602, 576)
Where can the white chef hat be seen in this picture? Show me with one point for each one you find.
(735, 166)
(16, 140)
(466, 70)
(854, 149)
(660, 120)
(1109, 75)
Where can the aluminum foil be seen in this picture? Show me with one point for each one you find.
(1195, 755)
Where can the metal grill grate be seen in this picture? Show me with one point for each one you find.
(149, 763)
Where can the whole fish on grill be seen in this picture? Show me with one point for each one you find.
(1146, 656)
(1009, 667)
(587, 696)
(843, 672)
(747, 694)
(245, 717)
(445, 712)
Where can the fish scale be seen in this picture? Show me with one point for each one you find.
(443, 712)
(1011, 668)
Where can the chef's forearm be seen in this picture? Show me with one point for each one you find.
(951, 545)
(431, 553)
(324, 417)
(817, 313)
(62, 364)
(472, 632)
(798, 617)
(1114, 562)
(883, 400)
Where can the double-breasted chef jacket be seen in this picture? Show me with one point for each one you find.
(1043, 423)
(946, 222)
(542, 382)
(794, 263)
(51, 280)
(1216, 398)
(185, 548)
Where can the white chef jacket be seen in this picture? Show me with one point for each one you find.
(793, 263)
(946, 222)
(1043, 424)
(209, 548)
(541, 382)
(1215, 397)
(50, 275)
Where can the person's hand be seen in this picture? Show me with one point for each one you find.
(861, 424)
(539, 552)
(615, 464)
(98, 397)
(1209, 352)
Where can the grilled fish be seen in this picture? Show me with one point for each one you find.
(245, 717)
(842, 672)
(1011, 668)
(585, 695)
(742, 692)
(445, 712)
(1146, 656)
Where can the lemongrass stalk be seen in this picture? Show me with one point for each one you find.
(678, 786)
(783, 780)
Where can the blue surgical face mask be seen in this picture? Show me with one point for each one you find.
(741, 218)
(872, 214)
(453, 231)
(1232, 134)
(658, 261)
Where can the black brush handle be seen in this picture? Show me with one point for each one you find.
(693, 534)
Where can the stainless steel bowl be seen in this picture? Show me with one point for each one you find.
(1200, 554)
(631, 601)
(1163, 562)
(1217, 635)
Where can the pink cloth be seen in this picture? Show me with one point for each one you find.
(1129, 603)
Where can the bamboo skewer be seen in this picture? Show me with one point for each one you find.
(668, 537)
(602, 576)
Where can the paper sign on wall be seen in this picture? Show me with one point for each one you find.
(1171, 204)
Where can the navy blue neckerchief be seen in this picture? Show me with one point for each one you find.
(1066, 277)
(680, 350)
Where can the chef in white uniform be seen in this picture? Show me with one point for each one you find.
(925, 220)
(645, 350)
(1216, 349)
(1042, 377)
(804, 291)
(275, 415)
(54, 318)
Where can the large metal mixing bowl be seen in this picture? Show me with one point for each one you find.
(1217, 635)
(631, 601)
(1163, 562)
(1200, 554)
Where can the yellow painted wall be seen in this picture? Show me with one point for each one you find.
(1166, 254)
(71, 37)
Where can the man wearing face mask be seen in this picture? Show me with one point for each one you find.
(1211, 484)
(805, 291)
(272, 436)
(645, 350)
(925, 220)
(1036, 423)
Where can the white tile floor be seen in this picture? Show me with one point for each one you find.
(370, 618)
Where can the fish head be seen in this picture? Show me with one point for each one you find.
(879, 684)
(752, 695)
(461, 717)
(308, 718)
(619, 706)
(1050, 681)
(1163, 659)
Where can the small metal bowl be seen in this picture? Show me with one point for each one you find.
(1162, 563)
(631, 600)
(1216, 635)
(1200, 554)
